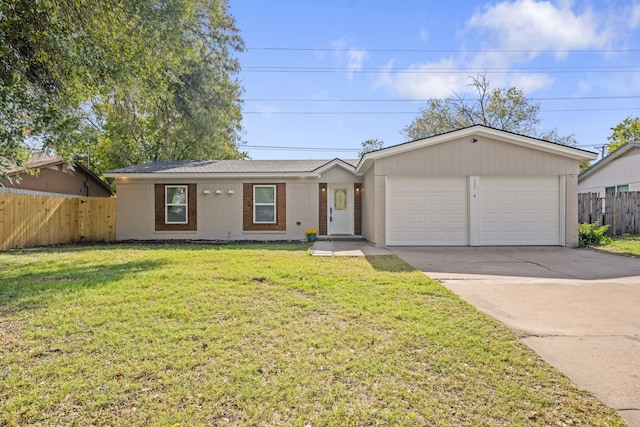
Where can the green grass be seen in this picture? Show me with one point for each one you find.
(259, 336)
(623, 245)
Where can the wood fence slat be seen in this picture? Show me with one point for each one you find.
(621, 211)
(28, 220)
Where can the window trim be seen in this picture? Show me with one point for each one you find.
(247, 208)
(274, 204)
(160, 208)
(185, 204)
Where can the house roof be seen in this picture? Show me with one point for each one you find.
(609, 158)
(221, 168)
(478, 131)
(39, 162)
(268, 168)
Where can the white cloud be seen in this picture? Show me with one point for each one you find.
(355, 58)
(451, 75)
(425, 81)
(509, 32)
(528, 82)
(349, 57)
(634, 17)
(539, 25)
(424, 35)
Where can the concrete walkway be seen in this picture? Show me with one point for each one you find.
(578, 309)
(345, 248)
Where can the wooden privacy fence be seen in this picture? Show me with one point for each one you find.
(28, 220)
(621, 211)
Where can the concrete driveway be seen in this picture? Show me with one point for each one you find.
(578, 309)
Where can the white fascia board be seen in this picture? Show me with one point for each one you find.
(195, 175)
(335, 162)
(547, 146)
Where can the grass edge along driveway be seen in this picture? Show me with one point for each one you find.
(259, 335)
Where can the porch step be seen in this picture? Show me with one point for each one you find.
(334, 238)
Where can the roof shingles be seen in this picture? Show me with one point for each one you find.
(229, 166)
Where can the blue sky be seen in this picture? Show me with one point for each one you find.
(324, 76)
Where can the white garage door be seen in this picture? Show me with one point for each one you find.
(427, 211)
(519, 211)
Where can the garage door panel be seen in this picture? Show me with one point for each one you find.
(427, 211)
(519, 211)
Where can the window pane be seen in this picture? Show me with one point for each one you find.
(265, 214)
(622, 188)
(176, 196)
(176, 214)
(340, 199)
(265, 194)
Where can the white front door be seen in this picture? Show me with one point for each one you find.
(340, 209)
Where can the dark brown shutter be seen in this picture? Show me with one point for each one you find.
(281, 208)
(322, 210)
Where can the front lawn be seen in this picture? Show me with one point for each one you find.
(623, 245)
(259, 336)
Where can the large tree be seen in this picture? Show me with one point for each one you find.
(626, 131)
(506, 109)
(119, 81)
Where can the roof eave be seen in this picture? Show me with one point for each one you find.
(212, 175)
(608, 159)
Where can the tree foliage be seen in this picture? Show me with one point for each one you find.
(119, 81)
(370, 145)
(626, 131)
(505, 109)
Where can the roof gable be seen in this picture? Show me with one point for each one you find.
(622, 151)
(41, 162)
(475, 134)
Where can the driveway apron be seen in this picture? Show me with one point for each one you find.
(578, 309)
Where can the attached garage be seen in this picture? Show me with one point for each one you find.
(476, 186)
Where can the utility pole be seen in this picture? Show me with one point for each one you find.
(601, 148)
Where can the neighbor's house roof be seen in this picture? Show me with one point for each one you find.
(623, 149)
(40, 162)
(233, 168)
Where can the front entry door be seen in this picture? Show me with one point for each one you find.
(340, 209)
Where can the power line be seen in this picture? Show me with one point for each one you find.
(348, 150)
(438, 70)
(350, 113)
(554, 51)
(276, 147)
(557, 98)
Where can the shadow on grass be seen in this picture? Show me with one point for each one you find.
(31, 290)
(389, 263)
